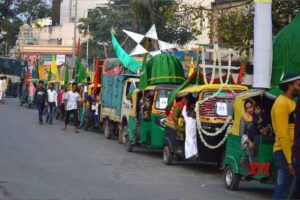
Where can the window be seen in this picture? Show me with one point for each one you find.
(162, 99)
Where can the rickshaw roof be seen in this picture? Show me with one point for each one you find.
(252, 93)
(199, 88)
(161, 87)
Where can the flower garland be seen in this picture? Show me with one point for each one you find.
(228, 119)
(220, 143)
(201, 131)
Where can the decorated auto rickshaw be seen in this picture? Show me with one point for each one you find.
(237, 165)
(146, 120)
(163, 74)
(215, 112)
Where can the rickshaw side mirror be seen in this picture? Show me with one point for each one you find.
(163, 122)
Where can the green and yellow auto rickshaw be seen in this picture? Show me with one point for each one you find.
(147, 117)
(215, 110)
(236, 164)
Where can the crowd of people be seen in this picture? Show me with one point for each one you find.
(66, 104)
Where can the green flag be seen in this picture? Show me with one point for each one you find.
(66, 79)
(80, 71)
(130, 63)
(143, 78)
(37, 69)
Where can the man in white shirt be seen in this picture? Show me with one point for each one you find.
(52, 103)
(71, 99)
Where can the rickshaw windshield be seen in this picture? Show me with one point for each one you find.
(221, 105)
(162, 99)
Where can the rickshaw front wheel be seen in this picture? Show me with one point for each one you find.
(167, 155)
(231, 179)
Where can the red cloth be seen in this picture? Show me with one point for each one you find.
(60, 96)
(170, 114)
(96, 75)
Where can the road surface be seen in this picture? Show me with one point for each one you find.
(45, 162)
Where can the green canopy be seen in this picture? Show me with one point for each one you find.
(164, 68)
(286, 48)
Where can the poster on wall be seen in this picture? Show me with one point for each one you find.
(60, 59)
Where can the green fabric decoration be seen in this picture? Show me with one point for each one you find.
(286, 48)
(127, 61)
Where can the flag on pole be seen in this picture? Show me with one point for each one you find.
(80, 71)
(66, 79)
(78, 48)
(96, 75)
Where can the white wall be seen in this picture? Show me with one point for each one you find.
(203, 39)
(67, 10)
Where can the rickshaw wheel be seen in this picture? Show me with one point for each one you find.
(231, 179)
(107, 132)
(167, 155)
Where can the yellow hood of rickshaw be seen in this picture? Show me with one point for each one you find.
(238, 107)
(199, 88)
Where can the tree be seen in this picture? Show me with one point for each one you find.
(14, 13)
(234, 25)
(29, 10)
(137, 16)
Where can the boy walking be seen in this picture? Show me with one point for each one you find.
(71, 99)
(40, 99)
(52, 103)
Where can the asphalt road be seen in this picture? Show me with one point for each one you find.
(44, 162)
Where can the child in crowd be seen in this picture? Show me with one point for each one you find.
(95, 107)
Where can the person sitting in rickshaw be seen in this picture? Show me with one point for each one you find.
(261, 124)
(253, 123)
(246, 124)
(147, 104)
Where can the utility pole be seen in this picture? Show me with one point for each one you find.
(75, 33)
(87, 46)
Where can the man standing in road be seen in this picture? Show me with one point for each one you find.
(72, 106)
(283, 121)
(41, 100)
(52, 103)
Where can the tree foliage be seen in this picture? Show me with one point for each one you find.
(137, 16)
(14, 13)
(234, 26)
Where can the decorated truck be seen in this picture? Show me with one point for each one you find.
(117, 84)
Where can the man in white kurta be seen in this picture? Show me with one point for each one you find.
(190, 144)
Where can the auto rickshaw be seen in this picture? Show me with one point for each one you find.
(146, 120)
(214, 116)
(236, 163)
